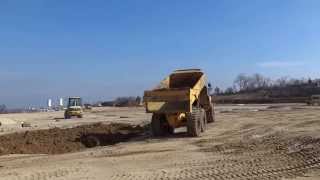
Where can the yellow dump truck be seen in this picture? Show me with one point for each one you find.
(181, 99)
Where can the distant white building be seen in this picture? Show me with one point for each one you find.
(61, 102)
(49, 103)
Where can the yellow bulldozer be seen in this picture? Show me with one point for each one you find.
(182, 99)
(74, 108)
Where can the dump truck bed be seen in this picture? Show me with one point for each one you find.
(176, 93)
(168, 100)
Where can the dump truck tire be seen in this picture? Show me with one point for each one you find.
(170, 130)
(91, 141)
(203, 120)
(210, 116)
(67, 117)
(194, 122)
(157, 125)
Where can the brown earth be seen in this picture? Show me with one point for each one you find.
(59, 141)
(246, 142)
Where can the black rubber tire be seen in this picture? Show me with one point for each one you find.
(194, 122)
(66, 116)
(80, 116)
(210, 115)
(203, 120)
(170, 130)
(91, 141)
(160, 126)
(157, 125)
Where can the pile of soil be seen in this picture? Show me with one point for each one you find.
(59, 141)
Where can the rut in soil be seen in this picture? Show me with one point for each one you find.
(59, 141)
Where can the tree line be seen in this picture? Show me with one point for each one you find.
(3, 109)
(124, 102)
(248, 83)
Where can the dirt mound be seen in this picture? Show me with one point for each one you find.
(59, 141)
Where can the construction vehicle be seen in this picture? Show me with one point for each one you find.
(74, 108)
(87, 107)
(181, 100)
(314, 100)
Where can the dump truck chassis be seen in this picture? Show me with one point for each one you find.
(196, 123)
(160, 125)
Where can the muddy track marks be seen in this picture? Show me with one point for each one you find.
(272, 157)
(46, 175)
(121, 154)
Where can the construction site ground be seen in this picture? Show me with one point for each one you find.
(279, 141)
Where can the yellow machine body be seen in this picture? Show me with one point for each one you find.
(177, 94)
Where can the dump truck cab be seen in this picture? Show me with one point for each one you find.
(74, 108)
(181, 99)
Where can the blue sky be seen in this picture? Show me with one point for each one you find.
(102, 49)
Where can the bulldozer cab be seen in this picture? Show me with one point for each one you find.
(74, 108)
(74, 101)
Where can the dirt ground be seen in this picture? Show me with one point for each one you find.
(246, 142)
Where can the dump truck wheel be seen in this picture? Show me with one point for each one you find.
(91, 141)
(203, 121)
(170, 130)
(66, 116)
(194, 122)
(158, 125)
(210, 115)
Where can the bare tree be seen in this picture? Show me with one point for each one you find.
(3, 109)
(245, 82)
(229, 90)
(283, 81)
(138, 100)
(242, 81)
(294, 81)
(258, 80)
(217, 91)
(252, 83)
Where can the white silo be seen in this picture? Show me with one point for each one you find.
(49, 103)
(61, 102)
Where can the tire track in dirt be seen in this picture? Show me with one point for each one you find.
(272, 157)
(46, 175)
